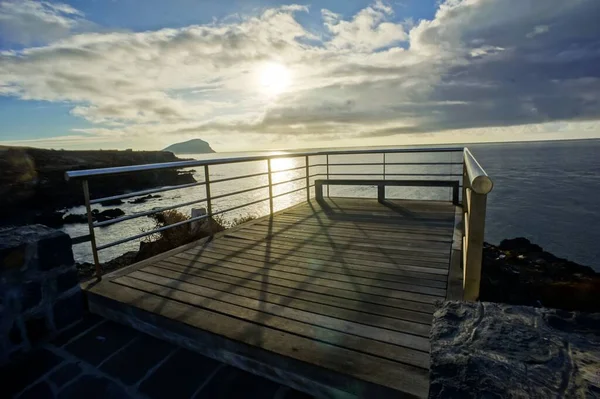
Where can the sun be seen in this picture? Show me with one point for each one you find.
(274, 78)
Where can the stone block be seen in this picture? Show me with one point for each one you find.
(92, 387)
(37, 329)
(14, 334)
(231, 382)
(31, 294)
(68, 310)
(66, 280)
(25, 370)
(38, 391)
(34, 247)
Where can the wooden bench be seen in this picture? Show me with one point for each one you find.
(381, 184)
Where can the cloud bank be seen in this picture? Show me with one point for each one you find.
(476, 64)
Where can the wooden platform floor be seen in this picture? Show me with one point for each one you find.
(340, 294)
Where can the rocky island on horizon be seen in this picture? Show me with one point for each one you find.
(194, 146)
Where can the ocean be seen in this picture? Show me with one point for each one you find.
(547, 192)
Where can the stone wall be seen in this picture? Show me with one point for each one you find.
(39, 287)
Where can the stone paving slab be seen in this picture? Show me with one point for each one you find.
(97, 358)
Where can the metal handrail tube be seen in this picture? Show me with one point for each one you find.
(214, 197)
(290, 169)
(241, 206)
(238, 177)
(289, 192)
(79, 174)
(147, 233)
(479, 181)
(290, 181)
(150, 212)
(145, 192)
(395, 174)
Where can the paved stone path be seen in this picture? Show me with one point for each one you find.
(97, 358)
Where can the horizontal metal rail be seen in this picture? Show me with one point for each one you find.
(214, 197)
(238, 177)
(146, 192)
(79, 174)
(147, 233)
(147, 213)
(241, 206)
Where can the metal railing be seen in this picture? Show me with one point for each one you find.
(476, 186)
(473, 177)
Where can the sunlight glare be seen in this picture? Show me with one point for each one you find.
(274, 78)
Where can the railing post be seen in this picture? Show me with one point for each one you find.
(307, 179)
(473, 244)
(207, 187)
(270, 186)
(384, 166)
(327, 161)
(88, 208)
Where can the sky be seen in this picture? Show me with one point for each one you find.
(251, 75)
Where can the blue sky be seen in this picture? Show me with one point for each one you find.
(269, 74)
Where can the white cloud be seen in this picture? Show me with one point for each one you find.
(31, 22)
(472, 66)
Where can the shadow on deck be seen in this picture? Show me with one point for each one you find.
(331, 298)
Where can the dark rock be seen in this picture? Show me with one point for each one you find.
(485, 350)
(107, 214)
(524, 274)
(31, 294)
(65, 374)
(141, 200)
(50, 218)
(68, 310)
(112, 202)
(41, 390)
(92, 387)
(66, 280)
(75, 218)
(32, 179)
(37, 329)
(86, 270)
(520, 244)
(33, 245)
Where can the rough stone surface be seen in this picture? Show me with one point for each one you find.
(38, 287)
(92, 387)
(521, 273)
(489, 350)
(65, 374)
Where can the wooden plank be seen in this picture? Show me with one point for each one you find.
(256, 308)
(183, 266)
(395, 375)
(328, 240)
(352, 235)
(352, 250)
(224, 258)
(366, 221)
(427, 264)
(351, 231)
(392, 205)
(294, 257)
(373, 216)
(378, 227)
(401, 291)
(367, 313)
(474, 232)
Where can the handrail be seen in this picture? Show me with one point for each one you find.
(478, 179)
(78, 174)
(476, 187)
(85, 175)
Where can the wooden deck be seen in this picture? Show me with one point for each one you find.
(329, 298)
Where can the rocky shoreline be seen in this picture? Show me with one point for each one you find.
(518, 272)
(33, 188)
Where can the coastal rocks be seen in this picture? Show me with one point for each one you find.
(141, 200)
(112, 202)
(97, 216)
(86, 269)
(521, 273)
(488, 350)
